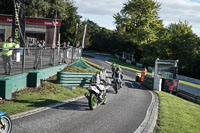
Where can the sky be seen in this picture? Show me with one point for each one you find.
(102, 11)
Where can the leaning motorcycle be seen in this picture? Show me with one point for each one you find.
(5, 123)
(97, 92)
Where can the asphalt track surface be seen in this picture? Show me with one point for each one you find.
(190, 89)
(123, 113)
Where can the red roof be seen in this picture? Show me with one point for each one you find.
(32, 21)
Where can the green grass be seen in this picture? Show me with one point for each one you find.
(88, 64)
(50, 92)
(138, 69)
(127, 66)
(32, 98)
(78, 70)
(189, 84)
(177, 115)
(87, 56)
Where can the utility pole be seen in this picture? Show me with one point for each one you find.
(75, 38)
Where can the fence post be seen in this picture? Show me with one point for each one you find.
(72, 54)
(53, 56)
(41, 58)
(23, 60)
(81, 54)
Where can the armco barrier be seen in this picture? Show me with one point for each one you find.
(188, 79)
(35, 77)
(70, 79)
(189, 96)
(10, 84)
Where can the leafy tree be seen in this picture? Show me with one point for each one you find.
(138, 22)
(66, 11)
(183, 45)
(5, 7)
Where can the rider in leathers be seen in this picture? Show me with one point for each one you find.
(119, 74)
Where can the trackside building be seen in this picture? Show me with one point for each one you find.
(36, 29)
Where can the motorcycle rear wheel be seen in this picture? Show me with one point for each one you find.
(116, 88)
(7, 124)
(92, 101)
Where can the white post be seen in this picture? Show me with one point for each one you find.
(83, 42)
(157, 80)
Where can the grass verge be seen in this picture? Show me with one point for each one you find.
(78, 70)
(138, 69)
(48, 93)
(96, 67)
(127, 66)
(189, 84)
(177, 115)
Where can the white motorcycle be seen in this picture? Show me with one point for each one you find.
(97, 92)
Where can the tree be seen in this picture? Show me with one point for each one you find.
(184, 46)
(138, 22)
(66, 11)
(5, 7)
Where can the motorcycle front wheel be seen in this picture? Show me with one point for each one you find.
(92, 101)
(104, 99)
(5, 124)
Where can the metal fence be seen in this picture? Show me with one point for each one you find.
(26, 59)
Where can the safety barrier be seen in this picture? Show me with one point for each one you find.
(148, 82)
(188, 96)
(10, 84)
(35, 77)
(70, 79)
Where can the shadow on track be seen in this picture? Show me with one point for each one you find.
(76, 105)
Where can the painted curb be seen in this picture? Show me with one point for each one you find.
(149, 123)
(34, 111)
(37, 110)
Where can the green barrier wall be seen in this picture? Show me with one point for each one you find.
(80, 63)
(10, 84)
(70, 80)
(35, 77)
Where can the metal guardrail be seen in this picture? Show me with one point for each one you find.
(188, 96)
(70, 79)
(38, 58)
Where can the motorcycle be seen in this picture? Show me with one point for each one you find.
(117, 81)
(5, 123)
(97, 92)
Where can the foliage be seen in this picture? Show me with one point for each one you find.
(138, 20)
(183, 42)
(66, 12)
(139, 31)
